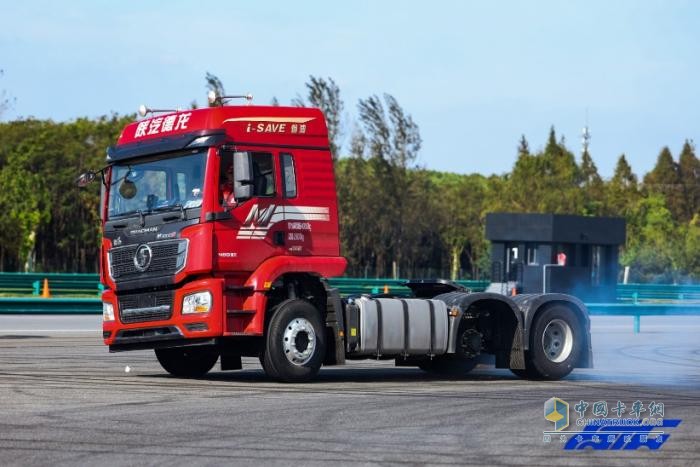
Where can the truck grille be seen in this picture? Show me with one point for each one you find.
(138, 308)
(168, 257)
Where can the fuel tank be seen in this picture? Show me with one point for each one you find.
(385, 327)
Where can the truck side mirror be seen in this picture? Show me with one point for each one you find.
(85, 178)
(242, 176)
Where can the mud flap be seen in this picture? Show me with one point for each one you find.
(335, 329)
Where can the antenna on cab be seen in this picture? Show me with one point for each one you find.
(213, 97)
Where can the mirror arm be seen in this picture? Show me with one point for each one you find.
(103, 179)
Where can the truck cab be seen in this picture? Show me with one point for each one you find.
(206, 215)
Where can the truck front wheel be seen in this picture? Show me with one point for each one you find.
(187, 362)
(555, 344)
(295, 343)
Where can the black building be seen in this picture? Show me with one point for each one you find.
(556, 253)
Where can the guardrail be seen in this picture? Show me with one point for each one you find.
(72, 284)
(58, 283)
(637, 310)
(641, 292)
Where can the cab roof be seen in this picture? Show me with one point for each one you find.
(249, 125)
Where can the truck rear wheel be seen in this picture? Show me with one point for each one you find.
(555, 344)
(187, 362)
(448, 365)
(295, 343)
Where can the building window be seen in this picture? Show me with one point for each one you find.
(532, 255)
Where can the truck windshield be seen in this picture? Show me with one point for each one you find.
(154, 185)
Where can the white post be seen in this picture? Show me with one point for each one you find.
(626, 275)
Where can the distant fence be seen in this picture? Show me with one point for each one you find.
(21, 283)
(657, 292)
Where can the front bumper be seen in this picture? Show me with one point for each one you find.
(175, 330)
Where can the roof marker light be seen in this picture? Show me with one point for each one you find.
(144, 110)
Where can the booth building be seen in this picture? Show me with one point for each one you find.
(536, 253)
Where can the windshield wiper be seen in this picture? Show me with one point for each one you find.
(171, 207)
(126, 213)
(140, 212)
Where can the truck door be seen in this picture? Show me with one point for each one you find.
(255, 230)
(296, 231)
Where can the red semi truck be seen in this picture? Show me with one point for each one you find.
(220, 226)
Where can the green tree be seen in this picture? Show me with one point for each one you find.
(592, 186)
(664, 179)
(622, 191)
(545, 182)
(49, 218)
(689, 175)
(653, 251)
(459, 201)
(325, 94)
(392, 142)
(690, 258)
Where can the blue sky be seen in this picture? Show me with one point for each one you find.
(474, 75)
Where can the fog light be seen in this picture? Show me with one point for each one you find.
(107, 311)
(199, 302)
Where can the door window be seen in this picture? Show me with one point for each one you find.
(289, 178)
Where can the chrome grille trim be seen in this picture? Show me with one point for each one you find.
(169, 258)
(139, 308)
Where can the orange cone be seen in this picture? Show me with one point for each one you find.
(514, 291)
(386, 289)
(45, 291)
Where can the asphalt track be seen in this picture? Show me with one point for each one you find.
(64, 400)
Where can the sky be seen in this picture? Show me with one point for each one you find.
(474, 76)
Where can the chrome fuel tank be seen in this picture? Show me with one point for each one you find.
(392, 326)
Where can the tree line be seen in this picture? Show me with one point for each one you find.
(396, 217)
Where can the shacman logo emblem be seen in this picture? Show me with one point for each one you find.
(142, 258)
(557, 411)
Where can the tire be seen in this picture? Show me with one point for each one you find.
(555, 344)
(295, 343)
(187, 362)
(448, 365)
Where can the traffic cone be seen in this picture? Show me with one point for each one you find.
(386, 289)
(45, 291)
(513, 291)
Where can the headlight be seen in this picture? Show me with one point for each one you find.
(107, 311)
(199, 302)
